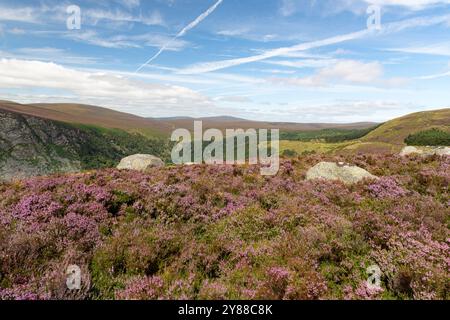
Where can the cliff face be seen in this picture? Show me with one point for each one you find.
(32, 146)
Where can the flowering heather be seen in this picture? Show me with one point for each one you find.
(226, 232)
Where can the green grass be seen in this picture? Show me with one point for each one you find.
(326, 135)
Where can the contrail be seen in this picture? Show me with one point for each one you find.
(392, 27)
(190, 26)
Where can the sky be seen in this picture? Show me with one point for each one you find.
(272, 60)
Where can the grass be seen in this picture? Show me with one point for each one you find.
(397, 130)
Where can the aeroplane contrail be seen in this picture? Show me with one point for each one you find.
(190, 26)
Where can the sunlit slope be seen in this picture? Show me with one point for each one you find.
(387, 138)
(90, 115)
(395, 131)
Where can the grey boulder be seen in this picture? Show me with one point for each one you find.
(140, 162)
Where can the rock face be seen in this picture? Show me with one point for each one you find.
(31, 146)
(338, 171)
(426, 151)
(140, 162)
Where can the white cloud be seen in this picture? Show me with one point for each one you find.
(233, 32)
(348, 111)
(233, 99)
(387, 29)
(411, 4)
(438, 49)
(93, 16)
(49, 55)
(25, 14)
(127, 41)
(343, 72)
(304, 63)
(98, 88)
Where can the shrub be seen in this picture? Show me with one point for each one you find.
(432, 137)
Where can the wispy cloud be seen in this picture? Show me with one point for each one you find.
(190, 26)
(345, 71)
(130, 3)
(387, 28)
(49, 54)
(411, 4)
(438, 49)
(127, 41)
(93, 16)
(25, 14)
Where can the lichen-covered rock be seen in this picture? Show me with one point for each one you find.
(425, 151)
(406, 151)
(140, 162)
(31, 146)
(338, 171)
(439, 151)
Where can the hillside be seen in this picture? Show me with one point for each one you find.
(396, 131)
(388, 137)
(31, 146)
(224, 232)
(224, 122)
(91, 115)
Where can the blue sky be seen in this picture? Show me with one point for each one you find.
(276, 60)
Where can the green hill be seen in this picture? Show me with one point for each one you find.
(397, 130)
(387, 138)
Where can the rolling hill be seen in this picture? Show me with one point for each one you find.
(386, 138)
(226, 122)
(91, 115)
(396, 131)
(160, 127)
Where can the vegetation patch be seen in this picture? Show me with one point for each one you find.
(432, 137)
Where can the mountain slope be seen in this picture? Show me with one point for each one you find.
(386, 138)
(224, 122)
(91, 115)
(396, 131)
(31, 146)
(155, 127)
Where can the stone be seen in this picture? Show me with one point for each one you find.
(345, 173)
(140, 162)
(406, 151)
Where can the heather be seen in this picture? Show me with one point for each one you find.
(226, 232)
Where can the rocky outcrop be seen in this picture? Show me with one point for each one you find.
(345, 173)
(31, 146)
(140, 162)
(406, 151)
(439, 151)
(425, 151)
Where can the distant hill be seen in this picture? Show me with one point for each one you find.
(155, 127)
(397, 130)
(90, 115)
(227, 122)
